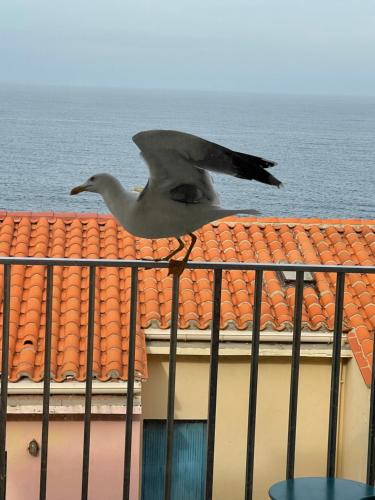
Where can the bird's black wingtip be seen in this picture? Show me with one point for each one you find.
(266, 163)
(272, 181)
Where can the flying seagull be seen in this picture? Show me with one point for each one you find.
(179, 196)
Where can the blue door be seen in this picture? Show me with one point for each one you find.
(189, 445)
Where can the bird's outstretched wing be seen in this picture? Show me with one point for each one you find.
(178, 162)
(172, 170)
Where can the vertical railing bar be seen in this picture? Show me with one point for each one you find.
(130, 381)
(371, 431)
(88, 393)
(253, 385)
(294, 376)
(335, 375)
(46, 385)
(6, 468)
(171, 389)
(4, 379)
(214, 362)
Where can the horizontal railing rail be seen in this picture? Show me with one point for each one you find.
(217, 268)
(150, 264)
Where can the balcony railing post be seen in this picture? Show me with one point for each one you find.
(335, 375)
(171, 390)
(130, 383)
(88, 393)
(214, 362)
(293, 398)
(4, 380)
(253, 386)
(46, 385)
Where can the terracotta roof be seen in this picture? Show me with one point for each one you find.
(39, 236)
(238, 239)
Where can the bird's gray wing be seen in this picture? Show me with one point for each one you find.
(174, 173)
(174, 152)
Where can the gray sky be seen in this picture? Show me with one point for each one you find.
(315, 46)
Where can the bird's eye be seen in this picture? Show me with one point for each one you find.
(92, 178)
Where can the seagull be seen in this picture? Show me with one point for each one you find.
(179, 196)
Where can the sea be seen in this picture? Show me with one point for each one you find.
(53, 138)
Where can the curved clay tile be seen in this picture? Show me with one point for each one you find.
(25, 365)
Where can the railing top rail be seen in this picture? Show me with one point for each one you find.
(149, 264)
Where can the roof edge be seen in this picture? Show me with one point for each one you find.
(232, 219)
(29, 387)
(315, 337)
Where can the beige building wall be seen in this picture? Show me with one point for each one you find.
(232, 408)
(65, 443)
(354, 428)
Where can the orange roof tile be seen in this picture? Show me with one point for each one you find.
(237, 239)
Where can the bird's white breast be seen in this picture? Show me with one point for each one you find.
(160, 217)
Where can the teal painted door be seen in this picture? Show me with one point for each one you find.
(188, 460)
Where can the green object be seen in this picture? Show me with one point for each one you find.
(321, 488)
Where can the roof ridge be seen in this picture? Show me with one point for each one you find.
(54, 215)
(232, 219)
(309, 221)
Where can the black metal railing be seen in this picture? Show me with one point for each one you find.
(218, 269)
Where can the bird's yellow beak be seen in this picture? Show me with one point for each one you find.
(78, 189)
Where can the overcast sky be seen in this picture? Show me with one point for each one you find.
(315, 46)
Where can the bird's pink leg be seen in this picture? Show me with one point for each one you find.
(181, 245)
(176, 267)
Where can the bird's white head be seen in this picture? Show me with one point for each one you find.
(97, 183)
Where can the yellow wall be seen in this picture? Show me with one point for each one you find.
(354, 430)
(231, 429)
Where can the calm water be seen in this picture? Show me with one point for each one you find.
(54, 138)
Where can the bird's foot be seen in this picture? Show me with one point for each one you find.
(176, 267)
(149, 260)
